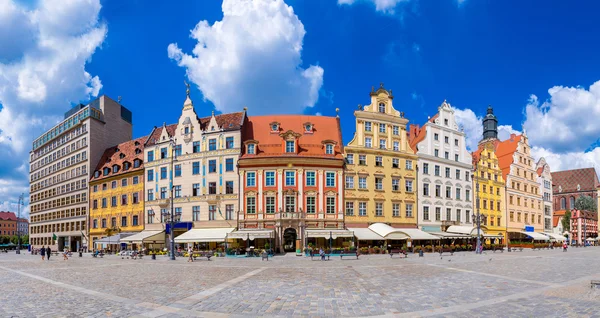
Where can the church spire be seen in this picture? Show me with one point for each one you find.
(490, 125)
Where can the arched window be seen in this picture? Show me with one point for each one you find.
(563, 203)
(571, 203)
(382, 108)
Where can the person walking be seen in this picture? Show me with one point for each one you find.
(190, 254)
(322, 253)
(43, 252)
(65, 255)
(48, 252)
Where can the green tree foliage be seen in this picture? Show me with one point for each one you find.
(566, 221)
(586, 203)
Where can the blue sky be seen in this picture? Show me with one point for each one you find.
(535, 64)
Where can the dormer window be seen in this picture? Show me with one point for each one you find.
(446, 122)
(126, 166)
(97, 174)
(290, 146)
(308, 128)
(186, 130)
(274, 127)
(115, 169)
(329, 149)
(137, 163)
(382, 108)
(106, 171)
(251, 149)
(138, 151)
(121, 156)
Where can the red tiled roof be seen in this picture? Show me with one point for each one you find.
(270, 144)
(119, 154)
(505, 151)
(157, 131)
(22, 220)
(416, 135)
(555, 219)
(569, 179)
(6, 216)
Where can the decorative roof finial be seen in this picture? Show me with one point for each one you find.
(381, 84)
(360, 107)
(187, 90)
(245, 108)
(213, 113)
(119, 99)
(337, 112)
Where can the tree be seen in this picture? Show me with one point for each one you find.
(586, 203)
(566, 221)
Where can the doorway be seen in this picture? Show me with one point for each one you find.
(289, 240)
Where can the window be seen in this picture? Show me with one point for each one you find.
(378, 209)
(466, 175)
(163, 215)
(136, 180)
(571, 203)
(449, 192)
(350, 159)
(113, 201)
(150, 194)
(163, 192)
(177, 170)
(409, 210)
(95, 204)
(395, 130)
(367, 126)
(362, 182)
(448, 214)
(229, 142)
(409, 185)
(250, 179)
(426, 213)
(446, 155)
(330, 205)
(426, 168)
(395, 184)
(457, 193)
(447, 172)
(438, 190)
(378, 161)
(437, 170)
(212, 188)
(150, 156)
(228, 187)
(436, 136)
(270, 205)
(311, 205)
(270, 178)
(177, 190)
(310, 179)
(103, 223)
(196, 213)
(330, 179)
(446, 139)
(362, 208)
(135, 198)
(382, 144)
(229, 164)
(212, 166)
(468, 195)
(381, 107)
(350, 208)
(368, 142)
(438, 214)
(290, 204)
(177, 150)
(212, 209)
(251, 149)
(409, 165)
(163, 153)
(362, 160)
(378, 183)
(196, 147)
(290, 146)
(212, 144)
(426, 189)
(113, 222)
(395, 163)
(349, 182)
(329, 149)
(123, 221)
(196, 189)
(290, 178)
(396, 146)
(382, 128)
(251, 205)
(163, 173)
(150, 217)
(563, 203)
(113, 185)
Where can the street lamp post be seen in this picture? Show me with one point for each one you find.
(330, 240)
(173, 144)
(18, 223)
(478, 218)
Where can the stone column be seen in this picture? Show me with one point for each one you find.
(301, 189)
(279, 189)
(259, 176)
(340, 187)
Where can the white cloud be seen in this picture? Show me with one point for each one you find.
(385, 6)
(473, 127)
(568, 160)
(567, 121)
(43, 52)
(460, 2)
(252, 58)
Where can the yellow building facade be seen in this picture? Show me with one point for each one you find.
(117, 192)
(490, 192)
(380, 175)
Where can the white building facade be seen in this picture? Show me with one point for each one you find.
(545, 181)
(445, 195)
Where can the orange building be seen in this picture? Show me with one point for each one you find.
(291, 181)
(8, 223)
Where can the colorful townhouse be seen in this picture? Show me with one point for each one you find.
(489, 185)
(444, 174)
(381, 167)
(545, 181)
(568, 185)
(117, 195)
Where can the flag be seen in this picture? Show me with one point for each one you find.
(54, 236)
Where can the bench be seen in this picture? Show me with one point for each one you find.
(501, 249)
(208, 255)
(349, 254)
(514, 249)
(318, 256)
(447, 250)
(398, 252)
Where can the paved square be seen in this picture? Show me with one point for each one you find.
(546, 283)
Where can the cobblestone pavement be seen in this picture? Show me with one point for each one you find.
(546, 283)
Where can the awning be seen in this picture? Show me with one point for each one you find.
(556, 237)
(204, 235)
(252, 234)
(535, 236)
(590, 239)
(325, 233)
(466, 230)
(493, 236)
(148, 236)
(446, 235)
(390, 233)
(365, 234)
(114, 239)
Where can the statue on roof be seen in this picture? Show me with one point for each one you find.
(187, 91)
